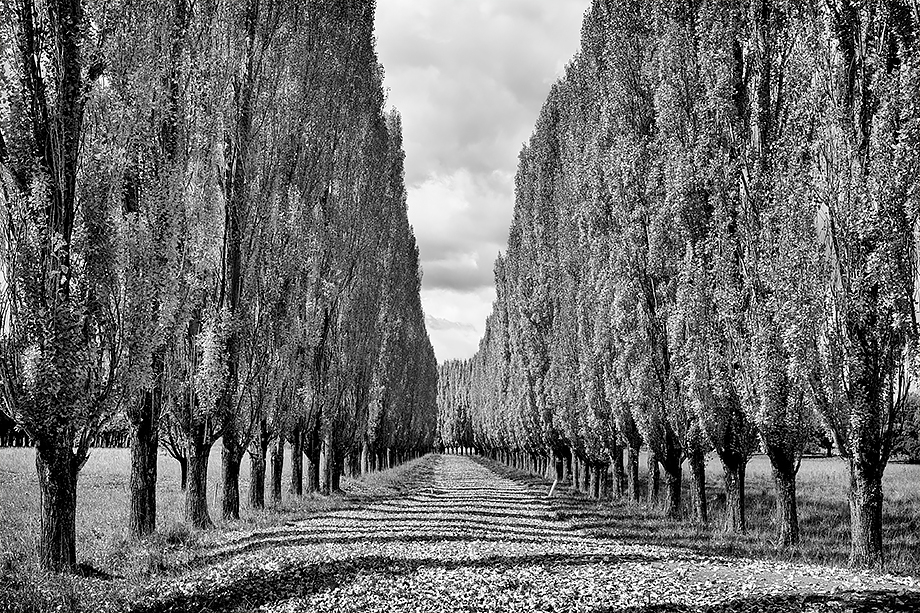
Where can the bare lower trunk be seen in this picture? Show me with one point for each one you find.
(196, 494)
(183, 473)
(312, 450)
(671, 462)
(297, 437)
(231, 457)
(734, 468)
(57, 483)
(601, 482)
(326, 465)
(865, 516)
(787, 514)
(335, 478)
(277, 468)
(577, 469)
(257, 452)
(654, 478)
(632, 473)
(142, 513)
(619, 474)
(697, 461)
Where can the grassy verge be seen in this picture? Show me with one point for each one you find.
(823, 515)
(113, 567)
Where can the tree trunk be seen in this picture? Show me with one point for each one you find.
(57, 481)
(365, 460)
(697, 461)
(787, 515)
(196, 495)
(325, 459)
(632, 473)
(576, 472)
(277, 468)
(231, 457)
(619, 475)
(142, 514)
(592, 474)
(335, 478)
(734, 468)
(865, 516)
(183, 473)
(601, 482)
(297, 437)
(313, 451)
(654, 478)
(672, 477)
(257, 452)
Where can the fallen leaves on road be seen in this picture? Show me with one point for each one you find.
(458, 538)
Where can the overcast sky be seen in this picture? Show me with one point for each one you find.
(469, 78)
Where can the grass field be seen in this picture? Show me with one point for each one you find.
(824, 518)
(102, 502)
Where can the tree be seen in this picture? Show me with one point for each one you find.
(867, 147)
(60, 339)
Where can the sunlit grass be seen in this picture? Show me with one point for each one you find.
(824, 516)
(103, 545)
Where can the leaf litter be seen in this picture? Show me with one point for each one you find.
(458, 538)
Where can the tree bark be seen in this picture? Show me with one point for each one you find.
(632, 473)
(673, 473)
(313, 451)
(231, 457)
(697, 461)
(365, 461)
(196, 494)
(734, 470)
(257, 452)
(619, 474)
(277, 468)
(297, 462)
(142, 504)
(327, 464)
(787, 515)
(654, 478)
(865, 516)
(335, 478)
(600, 491)
(57, 482)
(183, 473)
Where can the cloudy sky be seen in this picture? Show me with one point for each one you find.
(468, 77)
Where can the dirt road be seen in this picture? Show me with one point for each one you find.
(460, 538)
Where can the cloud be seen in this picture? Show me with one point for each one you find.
(469, 78)
(438, 323)
(466, 312)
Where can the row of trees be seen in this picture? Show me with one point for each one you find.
(204, 233)
(713, 248)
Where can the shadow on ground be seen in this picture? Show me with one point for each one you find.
(824, 525)
(841, 602)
